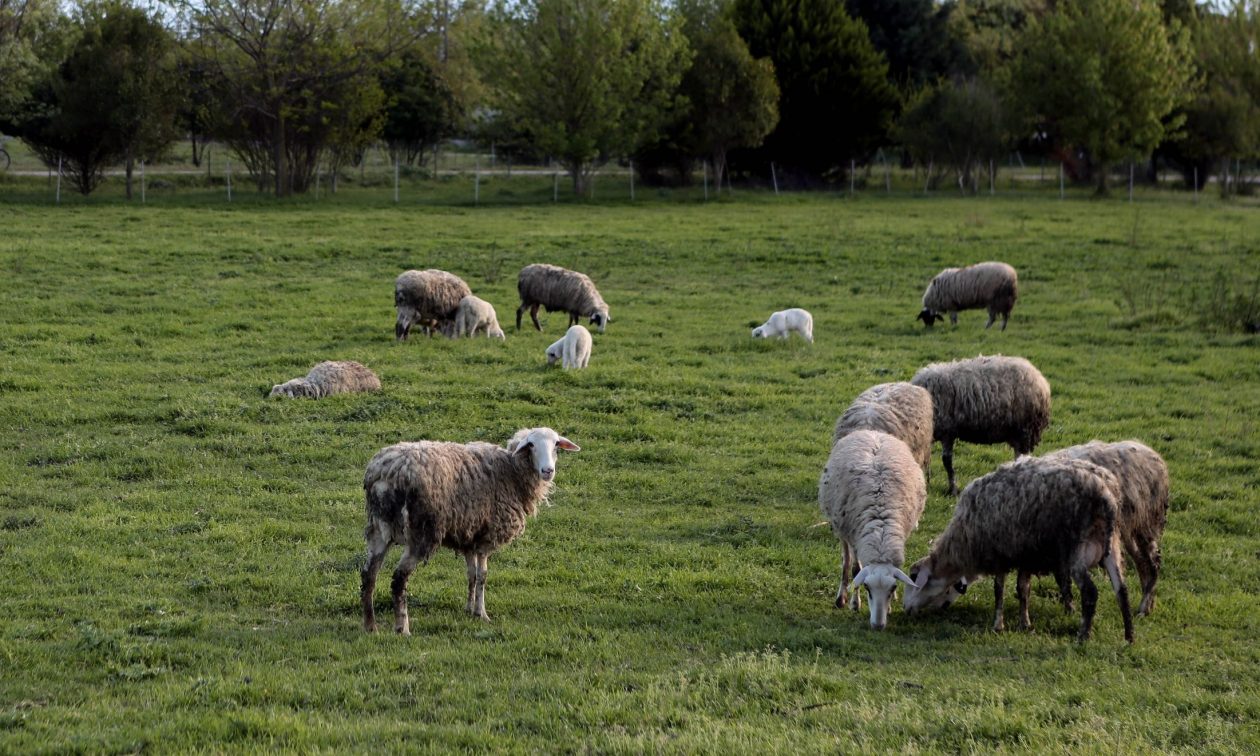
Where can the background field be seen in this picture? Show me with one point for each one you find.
(180, 554)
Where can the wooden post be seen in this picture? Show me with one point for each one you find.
(774, 177)
(58, 179)
(142, 182)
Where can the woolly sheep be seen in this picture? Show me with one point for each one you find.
(1143, 500)
(573, 350)
(472, 498)
(476, 314)
(902, 410)
(986, 400)
(428, 297)
(1034, 515)
(782, 323)
(559, 289)
(328, 378)
(992, 285)
(872, 492)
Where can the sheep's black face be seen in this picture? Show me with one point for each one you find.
(928, 317)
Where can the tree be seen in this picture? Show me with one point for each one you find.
(912, 34)
(34, 38)
(586, 80)
(835, 100)
(988, 31)
(957, 124)
(1106, 76)
(422, 109)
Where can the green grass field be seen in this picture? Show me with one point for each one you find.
(181, 554)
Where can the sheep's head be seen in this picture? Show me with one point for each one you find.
(600, 318)
(932, 588)
(494, 331)
(929, 316)
(539, 445)
(555, 352)
(759, 332)
(880, 581)
(294, 388)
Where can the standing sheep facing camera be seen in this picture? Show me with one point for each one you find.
(328, 378)
(991, 285)
(902, 410)
(573, 350)
(476, 314)
(780, 324)
(557, 289)
(986, 400)
(872, 492)
(473, 498)
(428, 297)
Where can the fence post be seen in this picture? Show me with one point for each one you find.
(928, 181)
(852, 170)
(477, 177)
(992, 176)
(1196, 185)
(1130, 181)
(395, 181)
(142, 182)
(887, 176)
(317, 181)
(1060, 179)
(58, 179)
(705, 167)
(555, 185)
(632, 181)
(229, 179)
(775, 178)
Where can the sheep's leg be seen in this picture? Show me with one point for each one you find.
(378, 542)
(402, 623)
(855, 599)
(470, 561)
(1089, 601)
(992, 317)
(1023, 586)
(533, 315)
(483, 566)
(1005, 316)
(1146, 558)
(999, 601)
(1111, 562)
(842, 595)
(1064, 582)
(947, 458)
(953, 317)
(519, 312)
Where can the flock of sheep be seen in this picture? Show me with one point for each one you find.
(1060, 514)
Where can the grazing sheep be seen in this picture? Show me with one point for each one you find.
(476, 314)
(1034, 515)
(573, 350)
(986, 400)
(328, 378)
(473, 498)
(428, 297)
(1143, 501)
(902, 410)
(872, 492)
(782, 323)
(993, 285)
(559, 289)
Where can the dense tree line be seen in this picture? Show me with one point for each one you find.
(810, 87)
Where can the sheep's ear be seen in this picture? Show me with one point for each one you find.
(858, 579)
(903, 577)
(924, 575)
(961, 585)
(523, 448)
(567, 445)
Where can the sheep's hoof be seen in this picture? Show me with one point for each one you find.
(369, 627)
(999, 627)
(404, 629)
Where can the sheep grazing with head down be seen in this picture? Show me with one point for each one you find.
(902, 410)
(476, 314)
(573, 350)
(991, 285)
(429, 298)
(328, 378)
(1036, 516)
(872, 492)
(986, 400)
(785, 322)
(473, 498)
(559, 289)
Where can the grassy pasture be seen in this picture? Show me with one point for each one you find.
(180, 554)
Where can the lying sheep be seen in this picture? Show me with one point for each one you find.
(872, 492)
(559, 289)
(1034, 515)
(782, 323)
(902, 410)
(993, 285)
(986, 400)
(429, 298)
(1143, 501)
(473, 498)
(328, 378)
(573, 350)
(476, 314)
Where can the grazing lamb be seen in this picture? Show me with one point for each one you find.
(782, 323)
(559, 289)
(429, 298)
(1034, 515)
(902, 410)
(872, 492)
(986, 400)
(328, 378)
(573, 350)
(993, 285)
(473, 498)
(1143, 501)
(476, 314)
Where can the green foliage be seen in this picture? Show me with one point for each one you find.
(32, 33)
(913, 35)
(835, 99)
(422, 108)
(988, 31)
(958, 124)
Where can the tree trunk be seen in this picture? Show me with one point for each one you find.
(1102, 189)
(130, 165)
(278, 156)
(579, 179)
(719, 166)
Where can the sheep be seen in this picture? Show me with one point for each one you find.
(476, 314)
(573, 350)
(428, 297)
(1034, 515)
(781, 324)
(993, 285)
(872, 492)
(557, 288)
(902, 410)
(986, 400)
(472, 498)
(328, 378)
(1143, 501)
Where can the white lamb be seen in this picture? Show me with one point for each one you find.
(476, 314)
(784, 322)
(573, 350)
